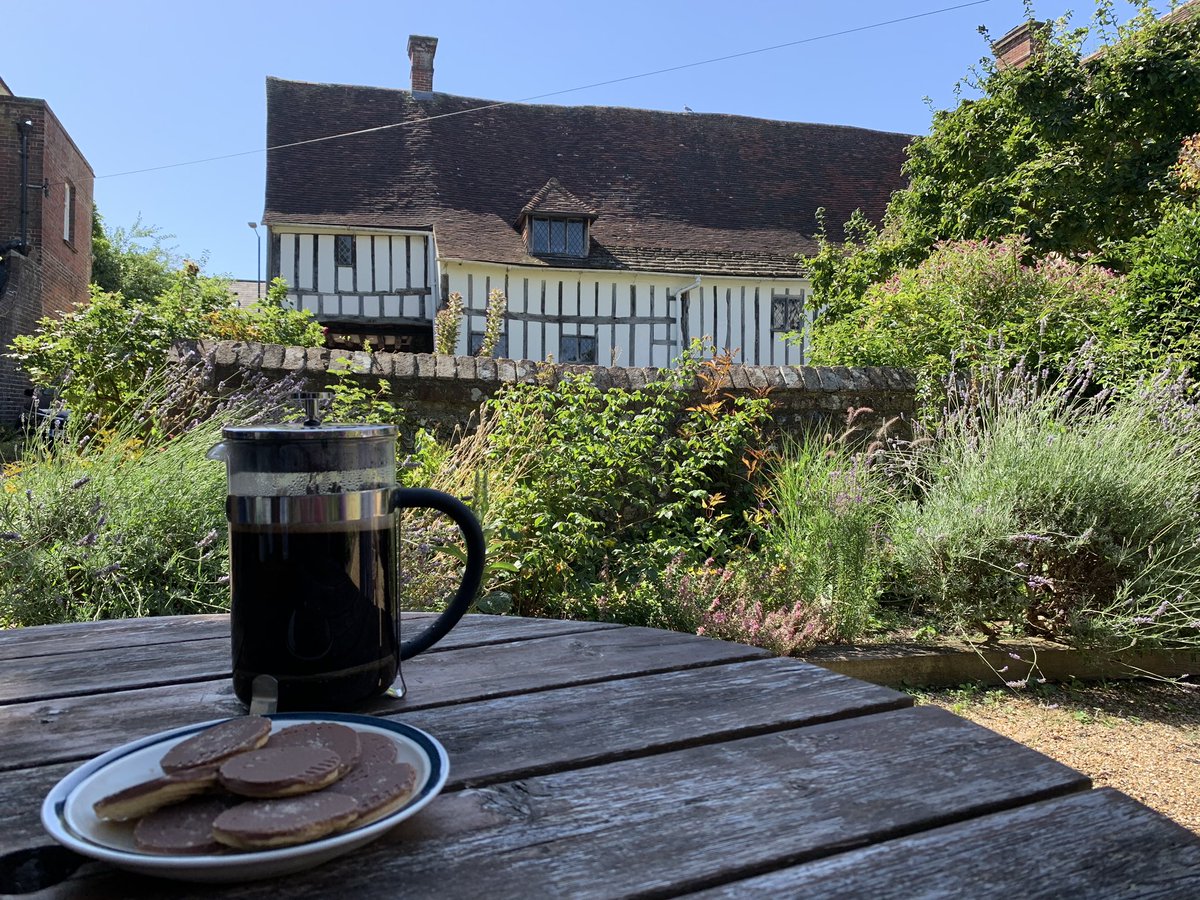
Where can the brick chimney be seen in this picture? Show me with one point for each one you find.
(1014, 49)
(420, 51)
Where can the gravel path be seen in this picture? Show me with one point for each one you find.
(1142, 738)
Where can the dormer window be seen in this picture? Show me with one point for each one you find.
(556, 223)
(558, 237)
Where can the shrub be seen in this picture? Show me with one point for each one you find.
(131, 525)
(973, 304)
(618, 479)
(101, 355)
(1058, 516)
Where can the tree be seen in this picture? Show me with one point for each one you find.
(1071, 153)
(134, 262)
(104, 355)
(1163, 288)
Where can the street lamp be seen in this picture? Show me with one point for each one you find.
(258, 278)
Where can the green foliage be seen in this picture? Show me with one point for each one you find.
(1069, 151)
(1163, 288)
(135, 262)
(100, 354)
(1073, 154)
(1058, 516)
(618, 480)
(129, 526)
(975, 303)
(266, 321)
(354, 401)
(826, 519)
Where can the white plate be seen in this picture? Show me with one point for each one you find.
(67, 810)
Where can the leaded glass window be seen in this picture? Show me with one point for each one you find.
(787, 313)
(343, 249)
(558, 237)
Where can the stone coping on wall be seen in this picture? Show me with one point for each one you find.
(443, 389)
(317, 360)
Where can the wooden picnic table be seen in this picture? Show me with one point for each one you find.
(597, 760)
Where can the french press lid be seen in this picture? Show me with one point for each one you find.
(307, 458)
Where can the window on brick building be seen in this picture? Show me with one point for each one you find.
(69, 213)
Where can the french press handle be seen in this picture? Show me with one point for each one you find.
(468, 525)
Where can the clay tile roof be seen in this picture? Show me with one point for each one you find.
(555, 199)
(677, 192)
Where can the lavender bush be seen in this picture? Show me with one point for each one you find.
(1048, 512)
(126, 520)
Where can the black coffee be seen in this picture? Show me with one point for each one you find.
(317, 612)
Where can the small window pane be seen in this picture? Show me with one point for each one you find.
(577, 349)
(558, 236)
(69, 213)
(541, 236)
(475, 342)
(787, 313)
(344, 249)
(575, 239)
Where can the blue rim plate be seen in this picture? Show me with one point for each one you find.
(67, 810)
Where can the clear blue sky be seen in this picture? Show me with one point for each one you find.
(146, 84)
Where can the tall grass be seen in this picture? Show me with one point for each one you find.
(828, 512)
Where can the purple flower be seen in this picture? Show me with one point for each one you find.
(1030, 538)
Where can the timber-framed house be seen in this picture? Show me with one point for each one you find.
(617, 235)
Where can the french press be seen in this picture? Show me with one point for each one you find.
(314, 563)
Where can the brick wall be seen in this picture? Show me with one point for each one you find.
(66, 266)
(442, 392)
(19, 310)
(56, 273)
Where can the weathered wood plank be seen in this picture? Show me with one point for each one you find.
(85, 673)
(499, 670)
(531, 734)
(663, 824)
(19, 643)
(555, 730)
(1095, 844)
(20, 814)
(77, 727)
(89, 637)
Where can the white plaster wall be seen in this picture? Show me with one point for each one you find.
(730, 312)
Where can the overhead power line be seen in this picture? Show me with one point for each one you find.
(584, 87)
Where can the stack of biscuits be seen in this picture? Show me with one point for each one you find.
(237, 786)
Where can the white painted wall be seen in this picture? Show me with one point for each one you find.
(729, 312)
(390, 278)
(636, 319)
